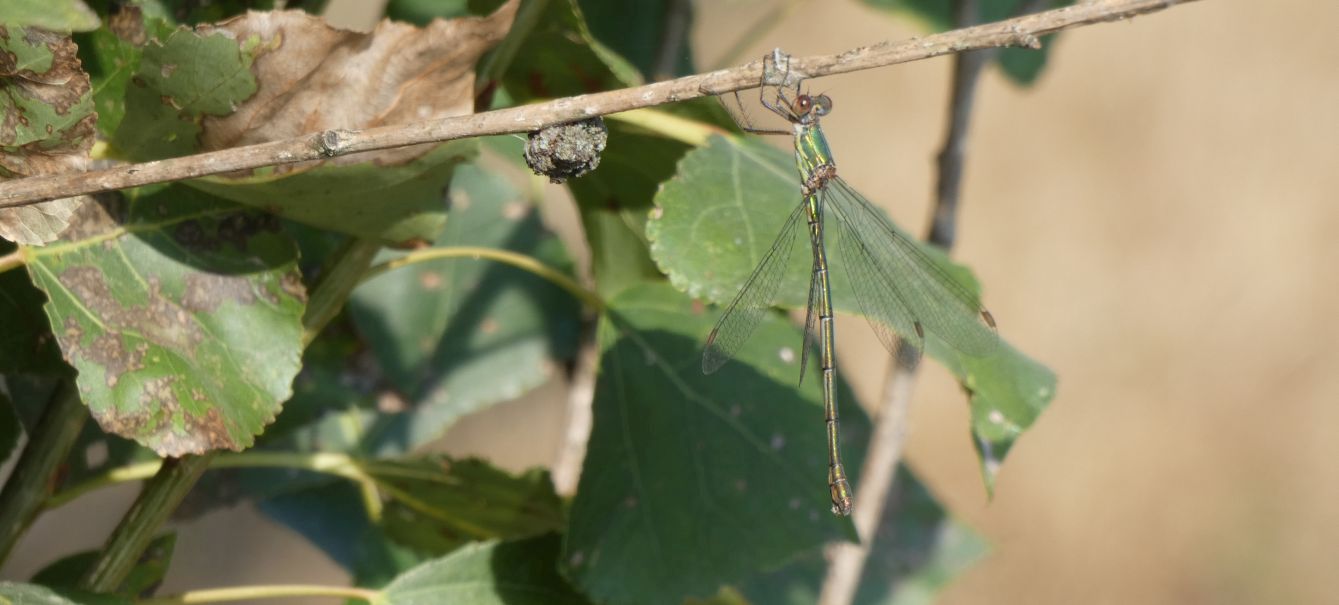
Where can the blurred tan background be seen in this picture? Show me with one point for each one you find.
(1154, 220)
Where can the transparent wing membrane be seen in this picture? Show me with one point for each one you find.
(755, 298)
(898, 286)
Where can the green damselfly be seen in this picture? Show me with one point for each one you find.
(901, 291)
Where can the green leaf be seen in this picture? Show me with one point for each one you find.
(335, 377)
(560, 58)
(491, 573)
(637, 32)
(143, 579)
(615, 200)
(182, 314)
(1008, 391)
(434, 506)
(408, 196)
(111, 56)
(717, 219)
(1022, 65)
(32, 594)
(456, 335)
(55, 15)
(438, 504)
(917, 551)
(178, 82)
(419, 12)
(190, 13)
(690, 481)
(332, 517)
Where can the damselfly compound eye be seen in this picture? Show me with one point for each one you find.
(822, 105)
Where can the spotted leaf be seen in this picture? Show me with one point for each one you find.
(182, 314)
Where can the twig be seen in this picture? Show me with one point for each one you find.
(1023, 31)
(33, 476)
(678, 15)
(580, 418)
(156, 501)
(520, 261)
(13, 260)
(249, 593)
(889, 435)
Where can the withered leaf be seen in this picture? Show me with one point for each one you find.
(312, 77)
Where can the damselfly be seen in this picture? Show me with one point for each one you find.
(901, 291)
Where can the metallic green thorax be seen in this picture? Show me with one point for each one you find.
(814, 161)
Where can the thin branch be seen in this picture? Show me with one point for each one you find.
(520, 261)
(13, 260)
(966, 73)
(156, 501)
(1023, 31)
(678, 17)
(580, 419)
(34, 475)
(254, 593)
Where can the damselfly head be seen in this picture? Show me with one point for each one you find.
(807, 107)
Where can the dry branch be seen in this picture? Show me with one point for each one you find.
(1022, 31)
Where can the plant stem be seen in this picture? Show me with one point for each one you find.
(13, 260)
(678, 15)
(278, 591)
(159, 498)
(332, 463)
(31, 481)
(580, 419)
(520, 261)
(335, 283)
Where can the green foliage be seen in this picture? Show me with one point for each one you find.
(488, 573)
(616, 200)
(558, 56)
(457, 335)
(177, 83)
(1022, 65)
(917, 550)
(637, 31)
(335, 197)
(33, 594)
(434, 505)
(181, 307)
(438, 504)
(57, 15)
(146, 576)
(688, 477)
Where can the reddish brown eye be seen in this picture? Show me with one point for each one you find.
(802, 104)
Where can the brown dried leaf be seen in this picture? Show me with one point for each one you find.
(313, 77)
(46, 126)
